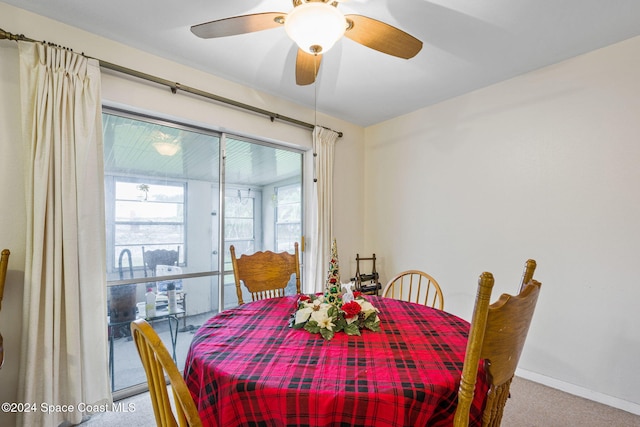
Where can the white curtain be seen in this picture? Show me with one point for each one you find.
(324, 141)
(64, 336)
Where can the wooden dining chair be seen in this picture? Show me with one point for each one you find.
(415, 286)
(157, 362)
(527, 273)
(265, 274)
(4, 263)
(497, 335)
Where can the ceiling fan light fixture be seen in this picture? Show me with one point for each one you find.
(165, 144)
(166, 148)
(315, 26)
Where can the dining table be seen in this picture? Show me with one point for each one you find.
(247, 367)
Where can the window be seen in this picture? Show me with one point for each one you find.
(149, 214)
(288, 227)
(239, 226)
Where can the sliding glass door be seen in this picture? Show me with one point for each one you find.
(177, 197)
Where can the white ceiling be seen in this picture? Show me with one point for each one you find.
(468, 44)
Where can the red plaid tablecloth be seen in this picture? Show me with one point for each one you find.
(246, 367)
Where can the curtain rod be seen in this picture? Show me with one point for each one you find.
(174, 86)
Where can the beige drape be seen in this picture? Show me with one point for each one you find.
(324, 142)
(64, 336)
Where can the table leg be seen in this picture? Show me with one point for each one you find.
(174, 335)
(184, 307)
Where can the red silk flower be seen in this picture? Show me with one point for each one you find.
(351, 309)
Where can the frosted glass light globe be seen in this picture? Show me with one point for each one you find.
(315, 26)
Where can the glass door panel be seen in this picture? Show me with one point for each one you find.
(262, 203)
(159, 205)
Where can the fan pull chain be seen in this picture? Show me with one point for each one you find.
(315, 116)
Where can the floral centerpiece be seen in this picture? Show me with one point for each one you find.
(338, 309)
(315, 314)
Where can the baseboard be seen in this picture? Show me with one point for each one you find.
(575, 390)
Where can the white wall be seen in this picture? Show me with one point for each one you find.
(542, 166)
(120, 90)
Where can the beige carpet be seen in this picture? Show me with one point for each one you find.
(535, 405)
(531, 405)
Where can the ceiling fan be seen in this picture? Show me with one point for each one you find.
(315, 26)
